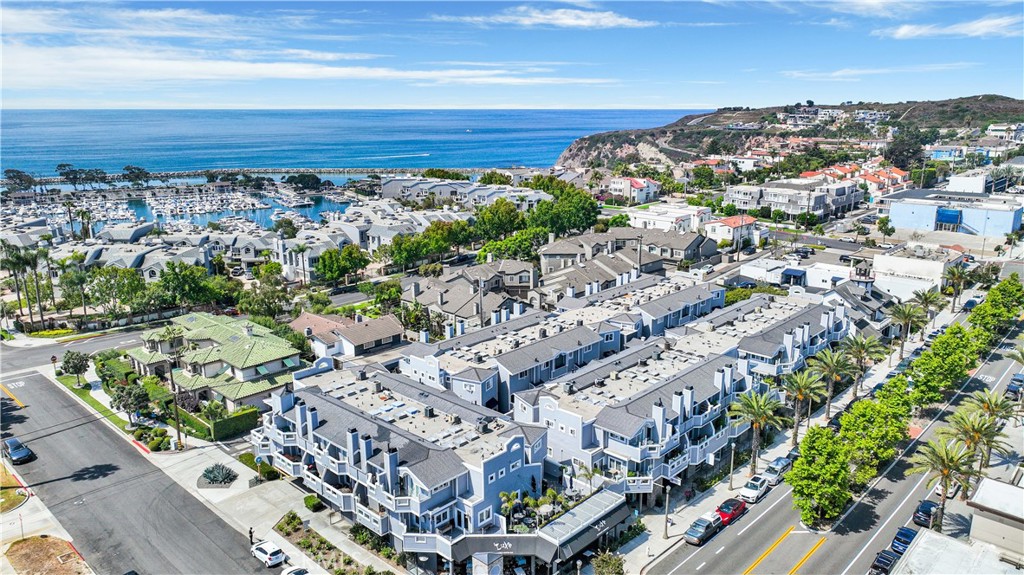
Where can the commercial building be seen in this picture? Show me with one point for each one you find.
(943, 210)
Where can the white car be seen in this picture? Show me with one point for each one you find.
(268, 553)
(886, 246)
(295, 571)
(776, 470)
(707, 268)
(755, 489)
(848, 239)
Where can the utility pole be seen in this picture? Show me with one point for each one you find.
(170, 335)
(668, 500)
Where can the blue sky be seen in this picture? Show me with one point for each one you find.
(669, 55)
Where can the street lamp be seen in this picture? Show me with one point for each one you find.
(579, 566)
(668, 501)
(732, 461)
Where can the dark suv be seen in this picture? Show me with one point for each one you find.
(17, 451)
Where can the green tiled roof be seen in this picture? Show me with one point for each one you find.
(144, 356)
(247, 353)
(228, 386)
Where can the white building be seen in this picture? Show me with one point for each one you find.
(735, 229)
(639, 190)
(670, 217)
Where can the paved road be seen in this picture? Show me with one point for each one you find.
(123, 512)
(770, 538)
(17, 358)
(809, 239)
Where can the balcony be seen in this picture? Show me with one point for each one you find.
(341, 498)
(282, 438)
(623, 451)
(639, 485)
(377, 521)
(289, 464)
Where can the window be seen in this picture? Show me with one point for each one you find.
(572, 431)
(522, 407)
(515, 465)
(490, 478)
(484, 515)
(490, 384)
(501, 472)
(550, 453)
(549, 423)
(468, 386)
(588, 349)
(522, 374)
(609, 337)
(561, 428)
(560, 361)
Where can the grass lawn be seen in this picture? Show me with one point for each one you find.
(70, 382)
(45, 555)
(9, 499)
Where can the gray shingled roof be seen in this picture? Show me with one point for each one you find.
(626, 417)
(531, 317)
(430, 463)
(542, 350)
(370, 330)
(636, 350)
(477, 374)
(674, 301)
(768, 341)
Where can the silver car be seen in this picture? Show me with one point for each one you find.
(777, 470)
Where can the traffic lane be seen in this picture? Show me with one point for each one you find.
(718, 555)
(123, 512)
(808, 239)
(788, 553)
(890, 504)
(17, 358)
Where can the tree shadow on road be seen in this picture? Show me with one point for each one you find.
(90, 473)
(10, 415)
(862, 519)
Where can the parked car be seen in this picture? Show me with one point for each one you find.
(845, 259)
(16, 451)
(745, 284)
(295, 571)
(755, 489)
(707, 268)
(730, 509)
(925, 512)
(268, 553)
(848, 240)
(969, 258)
(749, 251)
(236, 272)
(970, 304)
(804, 250)
(886, 246)
(704, 528)
(954, 488)
(249, 276)
(793, 454)
(904, 535)
(1013, 389)
(776, 470)
(883, 563)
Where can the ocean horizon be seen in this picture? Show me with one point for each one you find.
(35, 141)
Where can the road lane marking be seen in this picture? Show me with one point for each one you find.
(701, 565)
(923, 477)
(11, 395)
(756, 519)
(124, 342)
(720, 549)
(768, 552)
(806, 557)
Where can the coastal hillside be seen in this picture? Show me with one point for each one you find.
(734, 127)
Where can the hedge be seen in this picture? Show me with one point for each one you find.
(268, 471)
(313, 503)
(190, 423)
(242, 421)
(52, 333)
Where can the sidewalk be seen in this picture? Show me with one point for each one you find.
(642, 552)
(260, 507)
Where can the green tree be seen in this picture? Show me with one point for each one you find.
(885, 227)
(185, 284)
(931, 301)
(871, 432)
(18, 181)
(521, 246)
(608, 563)
(130, 398)
(778, 216)
(300, 250)
(730, 210)
(992, 403)
(444, 174)
(909, 317)
(803, 385)
(498, 220)
(956, 277)
(703, 177)
(266, 297)
(619, 221)
(992, 318)
(305, 181)
(493, 178)
(76, 363)
(269, 270)
(111, 288)
(832, 367)
(353, 260)
(329, 266)
(864, 351)
(820, 476)
(214, 411)
(903, 151)
(286, 226)
(981, 434)
(760, 410)
(945, 463)
(138, 177)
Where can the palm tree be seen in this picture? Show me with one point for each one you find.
(760, 410)
(71, 220)
(956, 277)
(11, 261)
(213, 411)
(979, 433)
(1012, 239)
(31, 259)
(298, 250)
(588, 474)
(909, 317)
(991, 403)
(1016, 354)
(929, 300)
(946, 462)
(803, 385)
(831, 366)
(44, 254)
(864, 351)
(86, 217)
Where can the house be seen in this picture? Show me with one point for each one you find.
(459, 300)
(513, 277)
(635, 190)
(126, 232)
(599, 273)
(670, 217)
(679, 307)
(218, 358)
(335, 336)
(737, 230)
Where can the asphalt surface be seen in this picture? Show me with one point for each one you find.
(770, 538)
(809, 239)
(123, 512)
(18, 358)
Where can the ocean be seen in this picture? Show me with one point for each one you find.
(35, 141)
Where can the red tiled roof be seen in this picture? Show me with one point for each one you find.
(736, 221)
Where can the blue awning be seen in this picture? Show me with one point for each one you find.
(792, 273)
(948, 216)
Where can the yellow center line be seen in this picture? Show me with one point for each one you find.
(806, 557)
(770, 549)
(8, 392)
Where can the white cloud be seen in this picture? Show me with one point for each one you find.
(987, 27)
(527, 16)
(298, 54)
(49, 67)
(855, 74)
(102, 23)
(878, 8)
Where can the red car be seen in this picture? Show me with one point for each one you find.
(730, 509)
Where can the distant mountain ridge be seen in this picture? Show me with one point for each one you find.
(685, 137)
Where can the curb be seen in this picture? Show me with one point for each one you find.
(679, 538)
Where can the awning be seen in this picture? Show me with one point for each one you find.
(948, 216)
(262, 370)
(581, 541)
(792, 273)
(289, 362)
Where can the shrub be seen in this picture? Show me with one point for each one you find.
(268, 471)
(313, 503)
(140, 433)
(154, 444)
(52, 333)
(219, 474)
(159, 432)
(165, 443)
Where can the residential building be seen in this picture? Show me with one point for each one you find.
(635, 190)
(126, 232)
(465, 193)
(218, 358)
(459, 300)
(513, 277)
(335, 336)
(1012, 132)
(599, 273)
(670, 217)
(425, 469)
(739, 231)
